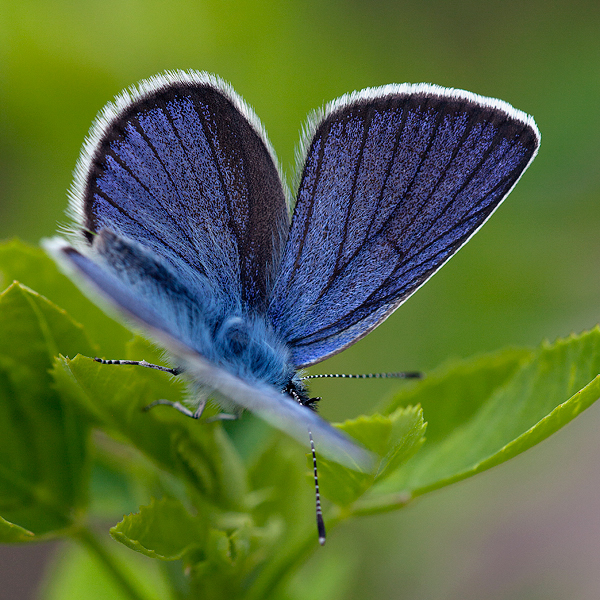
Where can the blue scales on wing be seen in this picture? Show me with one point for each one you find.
(181, 223)
(180, 198)
(183, 171)
(394, 181)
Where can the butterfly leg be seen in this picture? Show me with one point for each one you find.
(180, 407)
(173, 371)
(176, 405)
(193, 414)
(223, 417)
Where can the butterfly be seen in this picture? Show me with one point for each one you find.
(184, 226)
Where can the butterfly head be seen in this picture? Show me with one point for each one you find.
(297, 390)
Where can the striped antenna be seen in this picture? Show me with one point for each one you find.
(320, 522)
(402, 375)
(319, 511)
(140, 363)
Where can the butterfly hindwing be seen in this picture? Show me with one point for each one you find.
(278, 409)
(394, 181)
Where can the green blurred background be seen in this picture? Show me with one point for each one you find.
(529, 529)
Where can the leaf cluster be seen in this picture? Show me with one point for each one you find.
(226, 510)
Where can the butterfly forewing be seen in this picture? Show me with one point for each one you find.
(183, 167)
(395, 181)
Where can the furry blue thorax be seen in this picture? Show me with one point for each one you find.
(216, 324)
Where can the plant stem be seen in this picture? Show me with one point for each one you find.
(276, 573)
(381, 504)
(109, 561)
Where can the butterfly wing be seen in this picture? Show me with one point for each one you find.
(394, 181)
(182, 166)
(276, 408)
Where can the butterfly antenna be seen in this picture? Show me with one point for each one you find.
(319, 511)
(140, 363)
(320, 522)
(402, 375)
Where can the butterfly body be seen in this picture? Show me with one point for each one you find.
(230, 334)
(182, 225)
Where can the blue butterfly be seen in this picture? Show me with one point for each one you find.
(184, 226)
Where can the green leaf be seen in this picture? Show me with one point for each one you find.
(11, 533)
(452, 393)
(114, 396)
(33, 267)
(527, 397)
(43, 449)
(394, 438)
(220, 559)
(277, 478)
(406, 437)
(164, 530)
(234, 555)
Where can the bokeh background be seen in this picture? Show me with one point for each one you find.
(526, 530)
